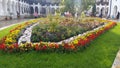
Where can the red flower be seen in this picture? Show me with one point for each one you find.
(44, 47)
(16, 45)
(37, 47)
(56, 46)
(66, 46)
(69, 46)
(2, 46)
(91, 37)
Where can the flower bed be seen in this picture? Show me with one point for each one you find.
(57, 30)
(9, 43)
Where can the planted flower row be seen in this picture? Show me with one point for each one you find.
(14, 34)
(76, 44)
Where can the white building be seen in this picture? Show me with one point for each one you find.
(102, 6)
(114, 8)
(22, 8)
(44, 7)
(108, 8)
(11, 8)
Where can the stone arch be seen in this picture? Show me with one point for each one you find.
(103, 12)
(31, 10)
(24, 8)
(43, 11)
(36, 9)
(106, 11)
(53, 10)
(27, 9)
(97, 10)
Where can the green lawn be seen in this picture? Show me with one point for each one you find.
(100, 54)
(6, 31)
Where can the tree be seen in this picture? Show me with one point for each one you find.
(69, 6)
(86, 3)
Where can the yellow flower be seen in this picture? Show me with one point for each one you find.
(75, 42)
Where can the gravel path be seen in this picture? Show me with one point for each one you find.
(6, 24)
(116, 63)
(11, 22)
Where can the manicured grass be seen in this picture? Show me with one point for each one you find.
(100, 54)
(4, 32)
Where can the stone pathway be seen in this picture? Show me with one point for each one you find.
(116, 63)
(26, 37)
(117, 20)
(11, 22)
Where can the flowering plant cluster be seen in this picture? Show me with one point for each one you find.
(9, 43)
(13, 35)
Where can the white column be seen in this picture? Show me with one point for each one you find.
(55, 9)
(5, 7)
(51, 9)
(15, 8)
(20, 8)
(4, 4)
(27, 9)
(46, 9)
(33, 8)
(1, 7)
(23, 7)
(38, 9)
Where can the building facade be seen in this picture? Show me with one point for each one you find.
(114, 8)
(44, 7)
(11, 8)
(22, 8)
(108, 8)
(102, 7)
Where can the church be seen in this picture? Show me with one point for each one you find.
(22, 8)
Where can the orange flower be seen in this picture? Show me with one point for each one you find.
(56, 46)
(72, 47)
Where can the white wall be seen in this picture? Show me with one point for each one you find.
(112, 4)
(10, 7)
(102, 6)
(46, 7)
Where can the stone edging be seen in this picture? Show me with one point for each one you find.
(116, 63)
(74, 37)
(26, 37)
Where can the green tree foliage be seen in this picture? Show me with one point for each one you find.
(86, 3)
(69, 6)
